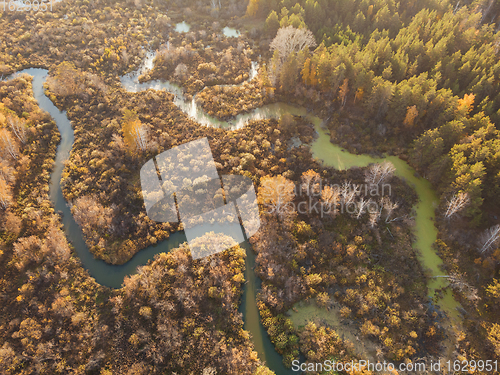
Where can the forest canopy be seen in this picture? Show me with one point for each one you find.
(417, 80)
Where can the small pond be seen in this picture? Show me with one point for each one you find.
(182, 27)
(230, 32)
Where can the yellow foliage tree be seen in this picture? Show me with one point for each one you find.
(252, 8)
(494, 289)
(411, 115)
(309, 73)
(467, 103)
(494, 337)
(313, 79)
(343, 90)
(305, 71)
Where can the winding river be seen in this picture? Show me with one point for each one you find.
(332, 155)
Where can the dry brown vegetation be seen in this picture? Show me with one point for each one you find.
(429, 94)
(203, 58)
(225, 102)
(57, 319)
(371, 270)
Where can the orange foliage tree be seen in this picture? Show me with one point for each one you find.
(466, 104)
(411, 115)
(277, 193)
(5, 194)
(134, 132)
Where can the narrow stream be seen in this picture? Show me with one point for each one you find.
(332, 155)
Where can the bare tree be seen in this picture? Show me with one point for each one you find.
(7, 144)
(389, 206)
(215, 4)
(384, 204)
(12, 223)
(93, 80)
(374, 218)
(490, 239)
(27, 249)
(18, 127)
(6, 171)
(288, 40)
(55, 244)
(348, 192)
(94, 218)
(459, 283)
(468, 290)
(5, 194)
(361, 206)
(456, 204)
(227, 58)
(378, 173)
(117, 141)
(209, 371)
(162, 21)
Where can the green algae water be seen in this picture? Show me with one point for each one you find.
(425, 231)
(262, 344)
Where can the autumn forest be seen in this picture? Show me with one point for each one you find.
(370, 130)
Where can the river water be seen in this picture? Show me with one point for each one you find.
(229, 32)
(332, 155)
